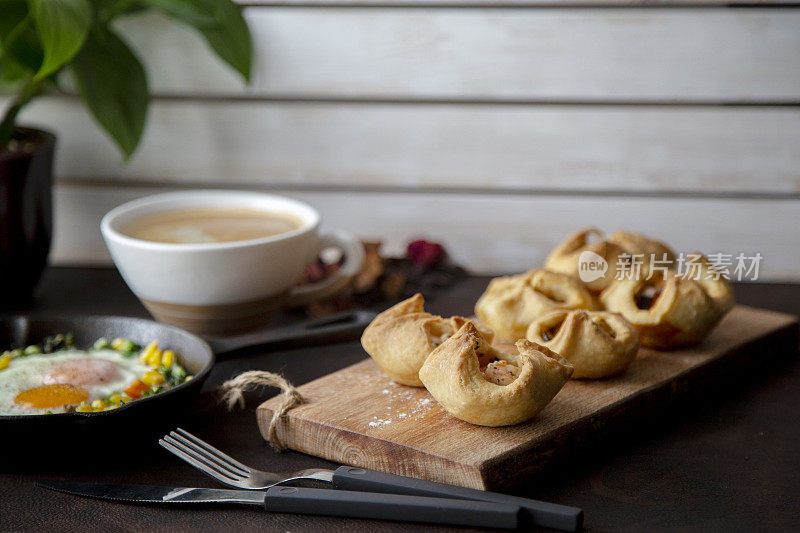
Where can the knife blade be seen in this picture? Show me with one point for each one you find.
(154, 493)
(300, 500)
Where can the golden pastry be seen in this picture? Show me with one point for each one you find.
(482, 385)
(670, 310)
(600, 260)
(597, 343)
(636, 244)
(400, 338)
(511, 303)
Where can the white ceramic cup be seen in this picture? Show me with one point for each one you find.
(224, 288)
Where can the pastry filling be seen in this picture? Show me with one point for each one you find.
(501, 372)
(496, 370)
(646, 297)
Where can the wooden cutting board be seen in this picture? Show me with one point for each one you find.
(357, 416)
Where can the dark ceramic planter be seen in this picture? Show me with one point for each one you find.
(26, 214)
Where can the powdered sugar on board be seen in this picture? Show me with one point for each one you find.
(403, 404)
(398, 403)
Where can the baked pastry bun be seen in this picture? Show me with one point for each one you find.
(636, 244)
(597, 343)
(511, 303)
(671, 311)
(569, 256)
(566, 257)
(482, 385)
(400, 338)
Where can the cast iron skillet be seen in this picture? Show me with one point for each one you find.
(196, 355)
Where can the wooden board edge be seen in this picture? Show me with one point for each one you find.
(503, 471)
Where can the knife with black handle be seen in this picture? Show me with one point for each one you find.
(281, 499)
(534, 512)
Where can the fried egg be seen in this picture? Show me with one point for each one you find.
(38, 384)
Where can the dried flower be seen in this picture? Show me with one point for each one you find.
(425, 253)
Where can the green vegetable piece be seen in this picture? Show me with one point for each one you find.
(32, 349)
(176, 376)
(128, 348)
(58, 342)
(102, 344)
(151, 391)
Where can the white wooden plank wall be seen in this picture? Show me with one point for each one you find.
(496, 128)
(515, 54)
(511, 148)
(496, 233)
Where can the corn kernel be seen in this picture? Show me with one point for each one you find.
(5, 360)
(152, 378)
(148, 351)
(187, 378)
(84, 408)
(98, 404)
(155, 358)
(168, 358)
(115, 399)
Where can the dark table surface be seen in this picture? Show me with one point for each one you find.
(726, 461)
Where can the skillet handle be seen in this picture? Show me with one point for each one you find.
(340, 327)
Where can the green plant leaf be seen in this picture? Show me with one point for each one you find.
(105, 10)
(20, 49)
(189, 11)
(62, 26)
(220, 22)
(25, 51)
(113, 85)
(11, 74)
(13, 11)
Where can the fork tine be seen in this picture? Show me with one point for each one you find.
(208, 461)
(210, 448)
(200, 465)
(187, 451)
(208, 456)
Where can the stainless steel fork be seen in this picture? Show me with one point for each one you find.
(229, 471)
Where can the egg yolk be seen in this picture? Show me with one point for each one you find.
(49, 396)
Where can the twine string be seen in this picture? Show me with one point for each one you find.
(233, 396)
